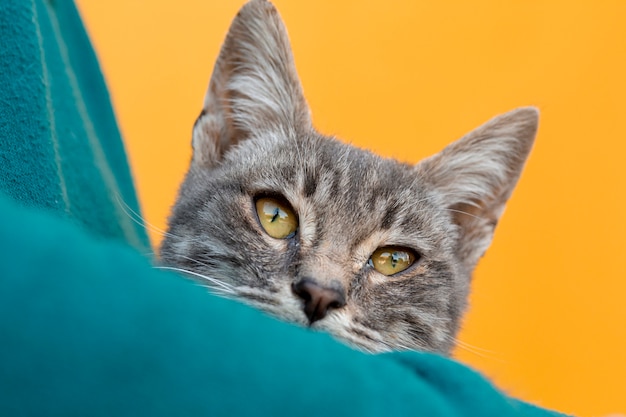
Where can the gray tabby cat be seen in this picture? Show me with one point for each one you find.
(376, 252)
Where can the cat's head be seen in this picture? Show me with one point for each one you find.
(376, 252)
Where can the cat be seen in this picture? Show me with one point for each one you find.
(322, 234)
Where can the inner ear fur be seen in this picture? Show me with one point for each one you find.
(254, 86)
(476, 175)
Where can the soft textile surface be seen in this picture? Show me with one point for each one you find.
(60, 146)
(88, 328)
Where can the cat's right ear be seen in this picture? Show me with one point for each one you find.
(254, 86)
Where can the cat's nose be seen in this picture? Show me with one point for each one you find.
(318, 299)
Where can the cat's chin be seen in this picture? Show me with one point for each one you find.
(287, 308)
(364, 340)
(369, 340)
(338, 324)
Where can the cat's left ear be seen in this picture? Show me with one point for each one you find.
(254, 86)
(476, 175)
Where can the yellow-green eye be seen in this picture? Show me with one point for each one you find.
(276, 217)
(390, 260)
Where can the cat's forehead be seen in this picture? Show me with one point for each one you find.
(314, 164)
(338, 184)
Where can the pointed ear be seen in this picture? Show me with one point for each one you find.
(476, 175)
(254, 86)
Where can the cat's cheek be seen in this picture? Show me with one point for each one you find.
(278, 246)
(421, 269)
(375, 279)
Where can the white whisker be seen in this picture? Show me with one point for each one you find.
(138, 219)
(475, 350)
(194, 260)
(222, 286)
(466, 213)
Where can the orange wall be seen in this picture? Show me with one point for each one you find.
(405, 77)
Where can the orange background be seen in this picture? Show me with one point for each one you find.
(404, 78)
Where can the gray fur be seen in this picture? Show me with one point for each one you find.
(254, 137)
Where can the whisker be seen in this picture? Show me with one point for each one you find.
(466, 213)
(215, 291)
(138, 219)
(465, 344)
(150, 254)
(475, 350)
(194, 260)
(435, 196)
(427, 198)
(222, 286)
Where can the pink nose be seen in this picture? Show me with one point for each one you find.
(318, 299)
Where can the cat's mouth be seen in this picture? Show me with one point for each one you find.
(326, 312)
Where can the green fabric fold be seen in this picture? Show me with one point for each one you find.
(60, 145)
(89, 328)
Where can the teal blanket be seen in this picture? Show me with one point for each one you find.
(60, 148)
(88, 328)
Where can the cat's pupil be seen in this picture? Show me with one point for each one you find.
(276, 214)
(389, 260)
(276, 217)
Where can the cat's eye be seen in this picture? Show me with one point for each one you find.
(276, 217)
(390, 260)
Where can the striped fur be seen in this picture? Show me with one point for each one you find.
(254, 137)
